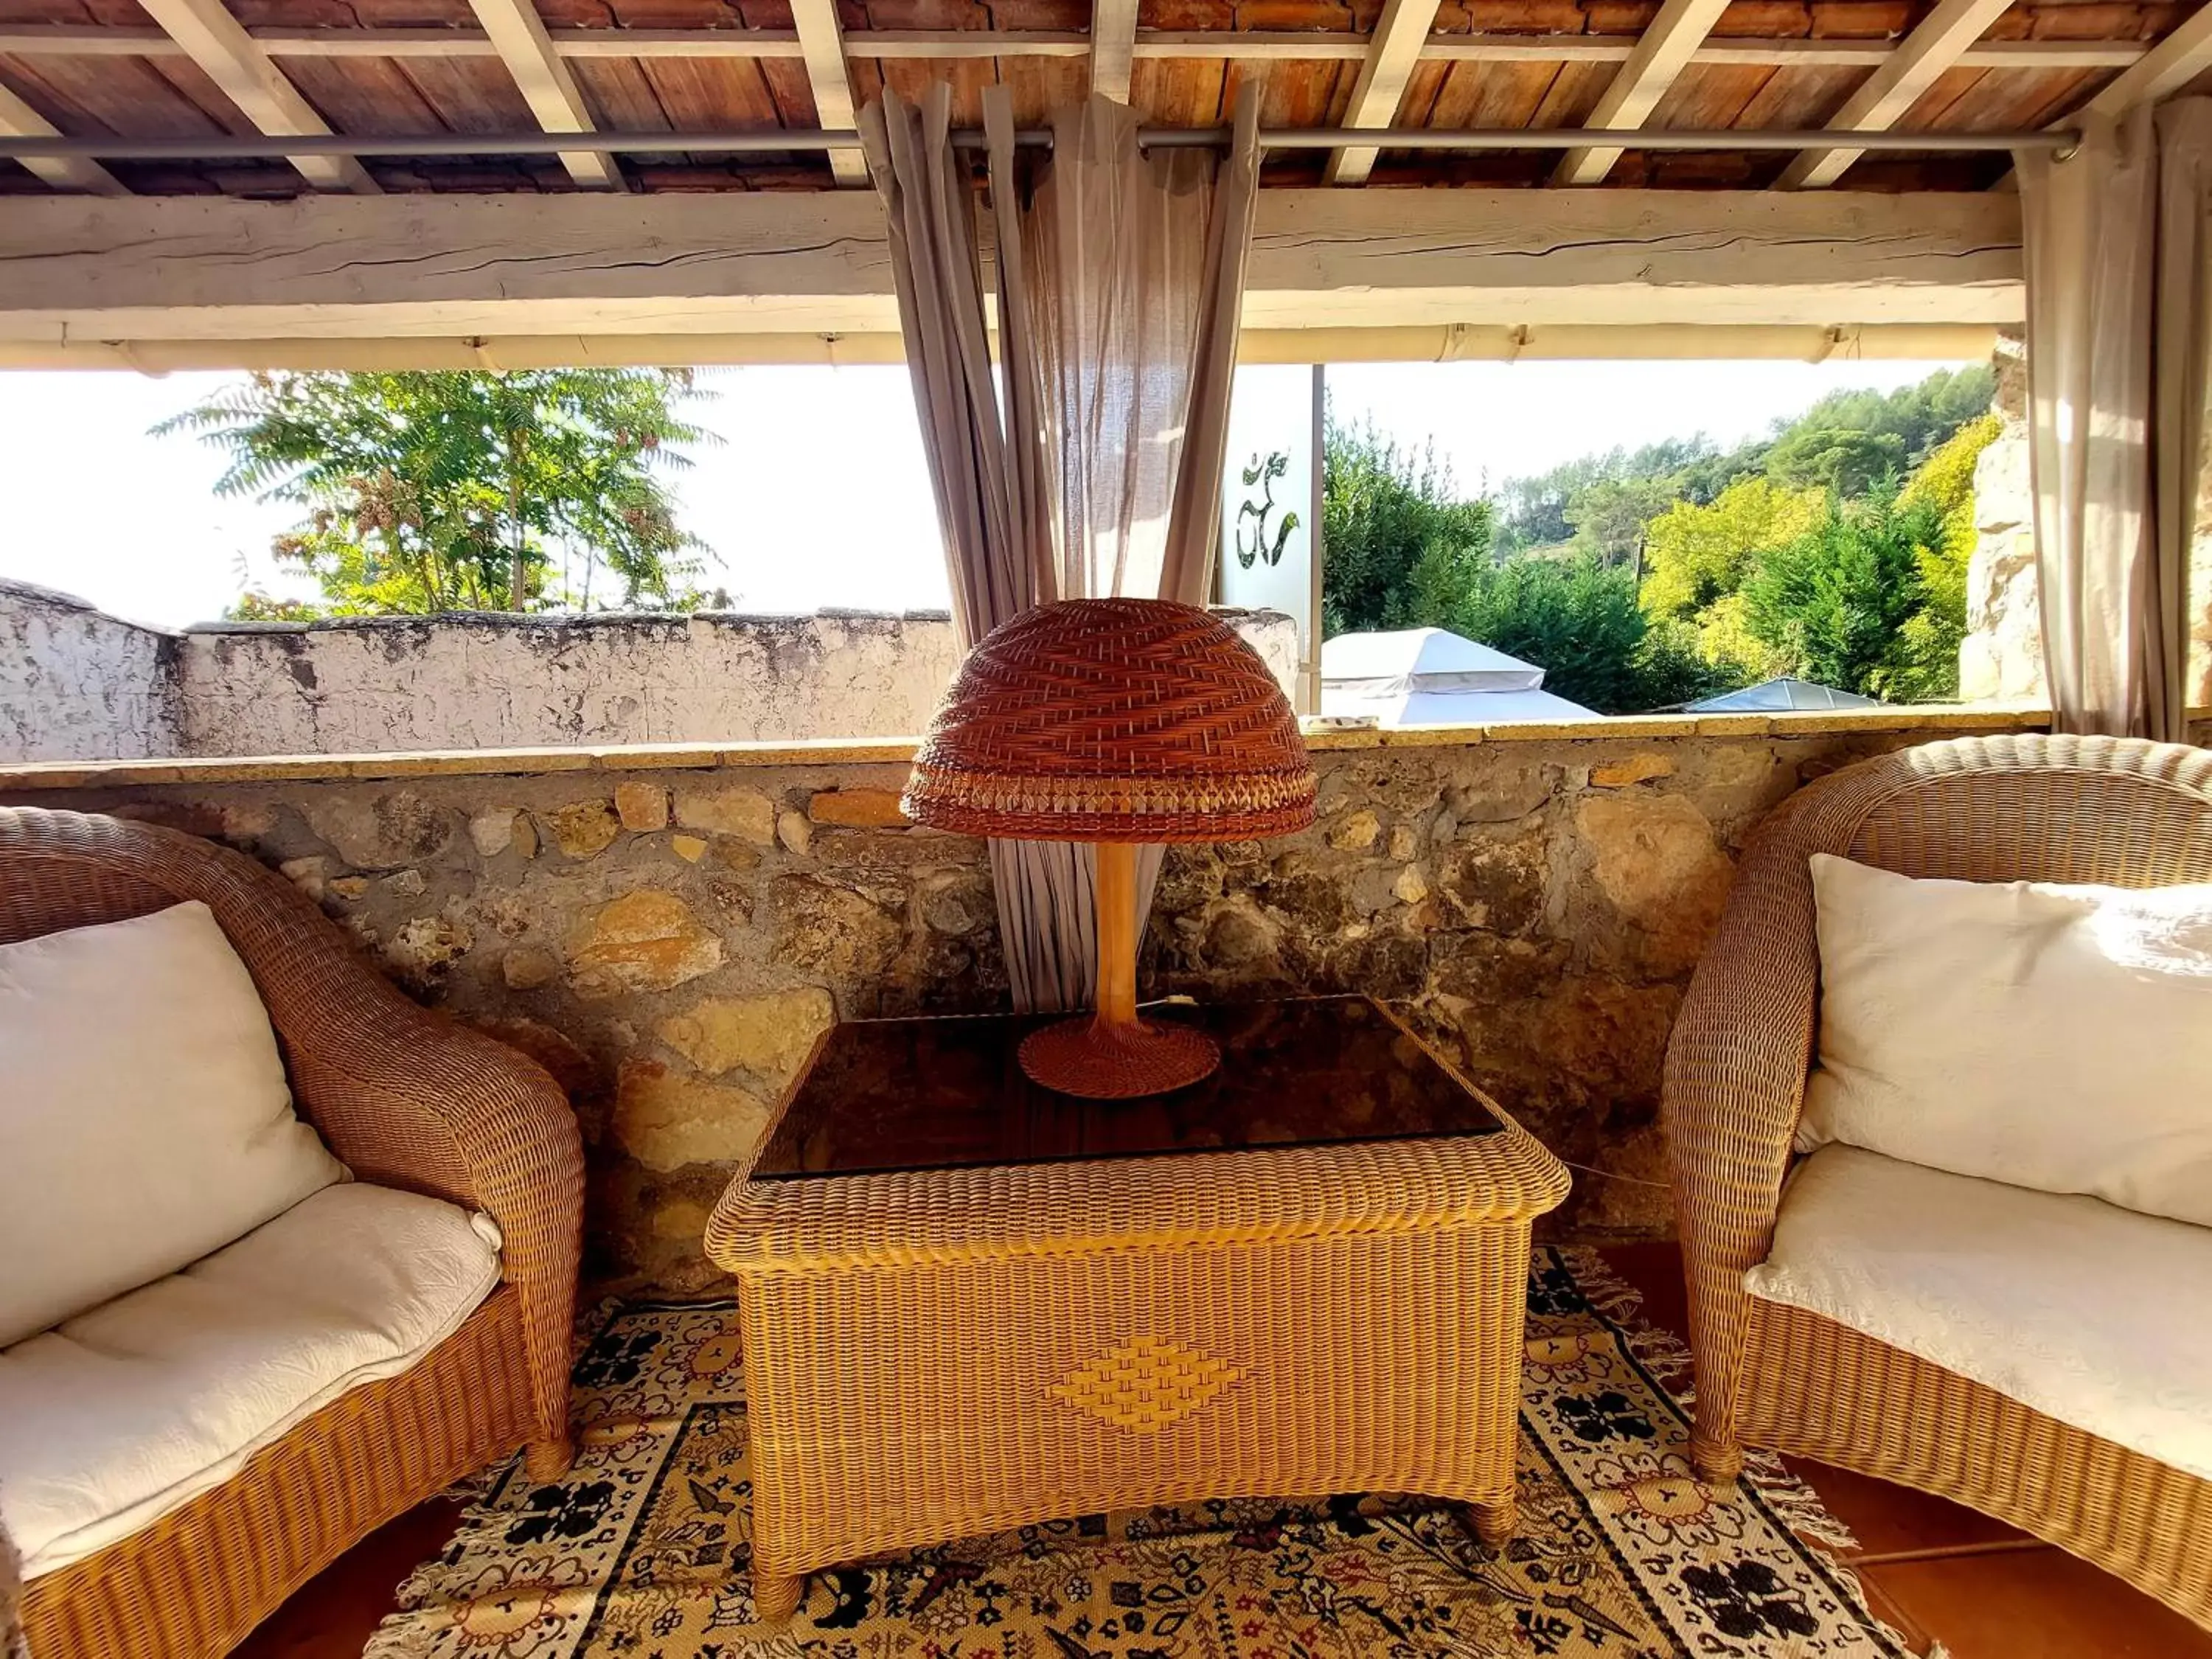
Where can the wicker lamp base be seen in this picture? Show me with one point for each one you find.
(1096, 1059)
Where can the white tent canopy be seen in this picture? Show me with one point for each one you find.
(1429, 676)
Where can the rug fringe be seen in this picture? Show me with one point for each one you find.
(1664, 1354)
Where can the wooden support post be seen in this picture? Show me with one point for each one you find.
(1938, 43)
(235, 62)
(1662, 53)
(518, 33)
(1399, 37)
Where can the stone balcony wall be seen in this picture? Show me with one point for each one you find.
(666, 932)
(77, 684)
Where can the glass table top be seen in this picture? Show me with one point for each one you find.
(948, 1092)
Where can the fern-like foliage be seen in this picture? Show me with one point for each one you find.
(467, 491)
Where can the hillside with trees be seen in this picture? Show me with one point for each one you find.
(1835, 550)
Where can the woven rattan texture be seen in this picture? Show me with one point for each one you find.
(1113, 720)
(196, 1580)
(1386, 1362)
(407, 1099)
(1822, 1390)
(1051, 1339)
(1263, 1195)
(2101, 810)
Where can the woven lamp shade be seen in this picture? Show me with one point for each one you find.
(1114, 720)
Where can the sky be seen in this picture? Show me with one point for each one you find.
(818, 494)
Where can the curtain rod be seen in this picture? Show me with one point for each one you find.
(111, 148)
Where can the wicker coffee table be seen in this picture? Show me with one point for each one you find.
(969, 1302)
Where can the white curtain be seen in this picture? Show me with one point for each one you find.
(1119, 277)
(2117, 339)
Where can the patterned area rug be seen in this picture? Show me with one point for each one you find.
(641, 1552)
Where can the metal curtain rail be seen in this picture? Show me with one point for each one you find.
(110, 147)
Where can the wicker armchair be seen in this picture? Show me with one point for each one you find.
(2099, 810)
(407, 1099)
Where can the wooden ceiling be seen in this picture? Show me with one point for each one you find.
(199, 68)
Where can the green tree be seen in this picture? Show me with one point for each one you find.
(1609, 515)
(1834, 602)
(1575, 616)
(454, 490)
(1382, 509)
(1933, 635)
(1696, 555)
(1835, 459)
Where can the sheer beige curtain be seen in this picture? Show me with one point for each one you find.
(1092, 465)
(2117, 349)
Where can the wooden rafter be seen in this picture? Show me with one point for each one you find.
(1399, 35)
(235, 62)
(1113, 47)
(517, 33)
(822, 47)
(84, 40)
(19, 120)
(1935, 46)
(1662, 52)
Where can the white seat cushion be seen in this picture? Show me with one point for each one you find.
(2096, 1316)
(145, 1120)
(115, 1418)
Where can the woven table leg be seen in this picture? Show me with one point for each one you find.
(1496, 1520)
(776, 1595)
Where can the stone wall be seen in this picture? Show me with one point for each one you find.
(2002, 656)
(77, 684)
(668, 939)
(375, 686)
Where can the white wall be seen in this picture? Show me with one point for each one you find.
(481, 682)
(77, 684)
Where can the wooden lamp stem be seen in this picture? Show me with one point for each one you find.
(1117, 909)
(1114, 1055)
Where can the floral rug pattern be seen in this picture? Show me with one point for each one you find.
(641, 1552)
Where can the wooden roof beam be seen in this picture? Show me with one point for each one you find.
(19, 120)
(1113, 47)
(1399, 35)
(518, 33)
(1659, 56)
(821, 48)
(1936, 44)
(78, 39)
(236, 63)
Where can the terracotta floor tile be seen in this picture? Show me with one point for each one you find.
(1889, 1519)
(2034, 1604)
(334, 1613)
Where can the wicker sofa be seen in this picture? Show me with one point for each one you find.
(408, 1100)
(2054, 809)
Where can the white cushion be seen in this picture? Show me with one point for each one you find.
(122, 1414)
(2052, 1036)
(2094, 1315)
(145, 1120)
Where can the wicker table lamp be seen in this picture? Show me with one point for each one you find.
(1123, 722)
